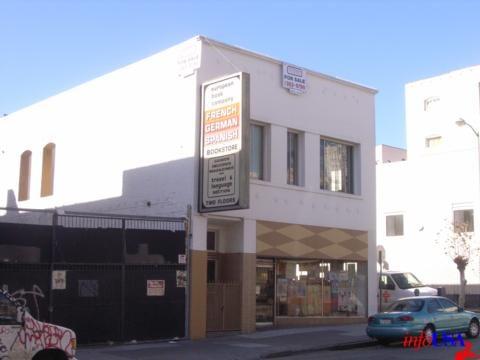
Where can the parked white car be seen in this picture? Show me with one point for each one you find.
(394, 285)
(24, 337)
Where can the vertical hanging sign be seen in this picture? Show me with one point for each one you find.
(224, 152)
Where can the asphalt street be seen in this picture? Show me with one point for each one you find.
(391, 352)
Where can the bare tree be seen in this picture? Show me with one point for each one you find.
(458, 245)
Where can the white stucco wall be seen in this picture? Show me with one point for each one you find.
(433, 181)
(122, 140)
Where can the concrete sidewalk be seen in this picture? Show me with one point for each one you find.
(259, 345)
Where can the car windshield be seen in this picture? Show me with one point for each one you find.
(413, 305)
(406, 280)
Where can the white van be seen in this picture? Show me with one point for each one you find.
(394, 285)
(24, 337)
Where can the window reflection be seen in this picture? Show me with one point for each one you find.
(321, 288)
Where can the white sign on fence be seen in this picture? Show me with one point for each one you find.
(155, 287)
(59, 279)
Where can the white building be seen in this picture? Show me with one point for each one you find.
(128, 142)
(439, 182)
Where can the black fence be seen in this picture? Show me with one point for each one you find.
(107, 278)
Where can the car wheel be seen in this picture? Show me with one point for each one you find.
(428, 331)
(473, 329)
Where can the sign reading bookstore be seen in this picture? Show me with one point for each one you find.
(224, 164)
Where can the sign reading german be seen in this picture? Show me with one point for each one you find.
(224, 144)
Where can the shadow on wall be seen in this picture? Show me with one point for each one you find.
(157, 190)
(163, 190)
(11, 200)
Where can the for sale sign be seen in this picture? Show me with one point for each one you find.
(294, 79)
(224, 144)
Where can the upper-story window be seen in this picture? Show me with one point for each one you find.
(431, 103)
(463, 220)
(394, 225)
(48, 167)
(292, 158)
(433, 141)
(257, 136)
(336, 166)
(24, 178)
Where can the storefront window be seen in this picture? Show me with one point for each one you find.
(321, 288)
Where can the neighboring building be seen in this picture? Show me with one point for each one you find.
(389, 154)
(128, 143)
(438, 184)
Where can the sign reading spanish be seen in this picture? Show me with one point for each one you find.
(224, 144)
(294, 79)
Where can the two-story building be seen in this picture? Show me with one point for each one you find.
(129, 142)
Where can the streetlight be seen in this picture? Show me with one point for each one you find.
(461, 122)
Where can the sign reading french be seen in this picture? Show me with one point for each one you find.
(224, 165)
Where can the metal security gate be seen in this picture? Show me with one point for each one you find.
(109, 278)
(223, 304)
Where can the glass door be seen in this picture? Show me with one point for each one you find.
(265, 291)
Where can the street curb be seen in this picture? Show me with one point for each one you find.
(344, 346)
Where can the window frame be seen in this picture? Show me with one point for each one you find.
(296, 164)
(263, 128)
(451, 309)
(430, 306)
(48, 170)
(385, 282)
(431, 103)
(350, 179)
(394, 234)
(24, 176)
(434, 141)
(404, 305)
(470, 224)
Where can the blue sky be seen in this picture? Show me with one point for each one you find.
(49, 46)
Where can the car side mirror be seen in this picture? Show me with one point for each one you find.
(461, 309)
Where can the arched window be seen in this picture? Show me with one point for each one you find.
(48, 168)
(24, 179)
(431, 103)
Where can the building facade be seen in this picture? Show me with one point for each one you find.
(438, 184)
(129, 143)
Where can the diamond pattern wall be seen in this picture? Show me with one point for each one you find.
(307, 241)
